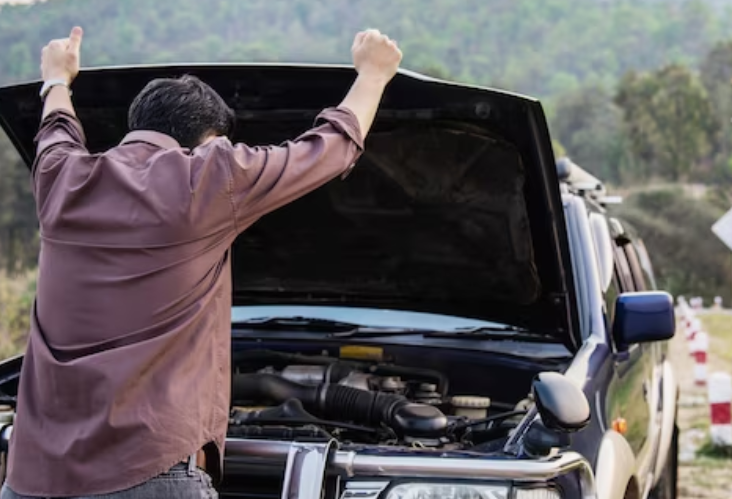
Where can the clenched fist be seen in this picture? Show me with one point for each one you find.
(375, 55)
(60, 58)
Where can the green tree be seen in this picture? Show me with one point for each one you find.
(668, 118)
(18, 226)
(687, 257)
(589, 126)
(435, 70)
(716, 75)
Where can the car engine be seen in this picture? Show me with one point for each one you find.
(292, 396)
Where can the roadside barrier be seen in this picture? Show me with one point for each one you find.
(693, 328)
(720, 408)
(718, 384)
(700, 345)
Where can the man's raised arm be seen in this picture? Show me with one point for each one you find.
(266, 178)
(377, 59)
(59, 67)
(60, 132)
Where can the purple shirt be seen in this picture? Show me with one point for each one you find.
(127, 369)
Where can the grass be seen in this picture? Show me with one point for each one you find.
(714, 452)
(719, 327)
(700, 422)
(17, 292)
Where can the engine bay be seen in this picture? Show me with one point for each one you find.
(289, 396)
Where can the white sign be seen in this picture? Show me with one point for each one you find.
(723, 229)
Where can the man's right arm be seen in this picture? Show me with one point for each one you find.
(376, 58)
(266, 178)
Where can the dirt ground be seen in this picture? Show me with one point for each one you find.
(701, 477)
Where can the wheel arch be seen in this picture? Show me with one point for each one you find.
(615, 467)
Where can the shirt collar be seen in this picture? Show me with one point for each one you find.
(161, 140)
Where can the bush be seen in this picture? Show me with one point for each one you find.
(708, 449)
(17, 292)
(688, 257)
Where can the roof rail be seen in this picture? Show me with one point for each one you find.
(583, 183)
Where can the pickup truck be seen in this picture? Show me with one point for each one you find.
(461, 317)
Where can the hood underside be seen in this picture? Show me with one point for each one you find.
(454, 208)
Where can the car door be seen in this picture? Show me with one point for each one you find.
(641, 270)
(630, 394)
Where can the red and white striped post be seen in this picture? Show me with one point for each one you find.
(693, 327)
(720, 408)
(692, 333)
(700, 345)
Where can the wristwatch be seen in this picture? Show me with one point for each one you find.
(49, 84)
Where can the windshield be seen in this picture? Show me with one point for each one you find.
(361, 316)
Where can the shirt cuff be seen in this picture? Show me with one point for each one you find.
(343, 120)
(63, 116)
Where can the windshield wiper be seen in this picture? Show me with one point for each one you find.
(295, 322)
(342, 329)
(334, 327)
(506, 333)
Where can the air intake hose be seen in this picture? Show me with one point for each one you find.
(343, 403)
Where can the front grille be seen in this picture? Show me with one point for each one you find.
(260, 478)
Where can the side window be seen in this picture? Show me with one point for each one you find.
(636, 270)
(623, 272)
(646, 266)
(622, 283)
(610, 296)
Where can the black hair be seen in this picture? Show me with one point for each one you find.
(185, 108)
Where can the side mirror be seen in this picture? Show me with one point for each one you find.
(644, 317)
(562, 406)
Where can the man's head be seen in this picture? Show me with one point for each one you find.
(185, 108)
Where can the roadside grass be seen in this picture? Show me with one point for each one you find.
(714, 454)
(17, 292)
(719, 328)
(700, 421)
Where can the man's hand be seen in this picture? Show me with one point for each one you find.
(375, 55)
(60, 58)
(377, 59)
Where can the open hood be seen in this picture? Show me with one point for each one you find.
(454, 208)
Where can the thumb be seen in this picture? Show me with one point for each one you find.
(75, 39)
(358, 39)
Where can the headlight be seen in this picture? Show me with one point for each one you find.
(536, 494)
(447, 491)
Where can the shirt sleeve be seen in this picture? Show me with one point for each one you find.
(60, 135)
(266, 178)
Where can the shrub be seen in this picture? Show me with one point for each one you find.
(17, 292)
(688, 257)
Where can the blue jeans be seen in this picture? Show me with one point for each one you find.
(182, 481)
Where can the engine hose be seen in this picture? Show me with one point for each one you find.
(344, 403)
(283, 359)
(261, 386)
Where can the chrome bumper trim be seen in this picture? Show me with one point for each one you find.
(305, 469)
(352, 463)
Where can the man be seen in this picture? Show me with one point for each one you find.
(126, 381)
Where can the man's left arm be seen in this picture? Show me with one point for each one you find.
(58, 99)
(59, 66)
(60, 133)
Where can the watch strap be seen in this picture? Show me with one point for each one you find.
(49, 84)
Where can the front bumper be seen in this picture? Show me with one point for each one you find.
(323, 470)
